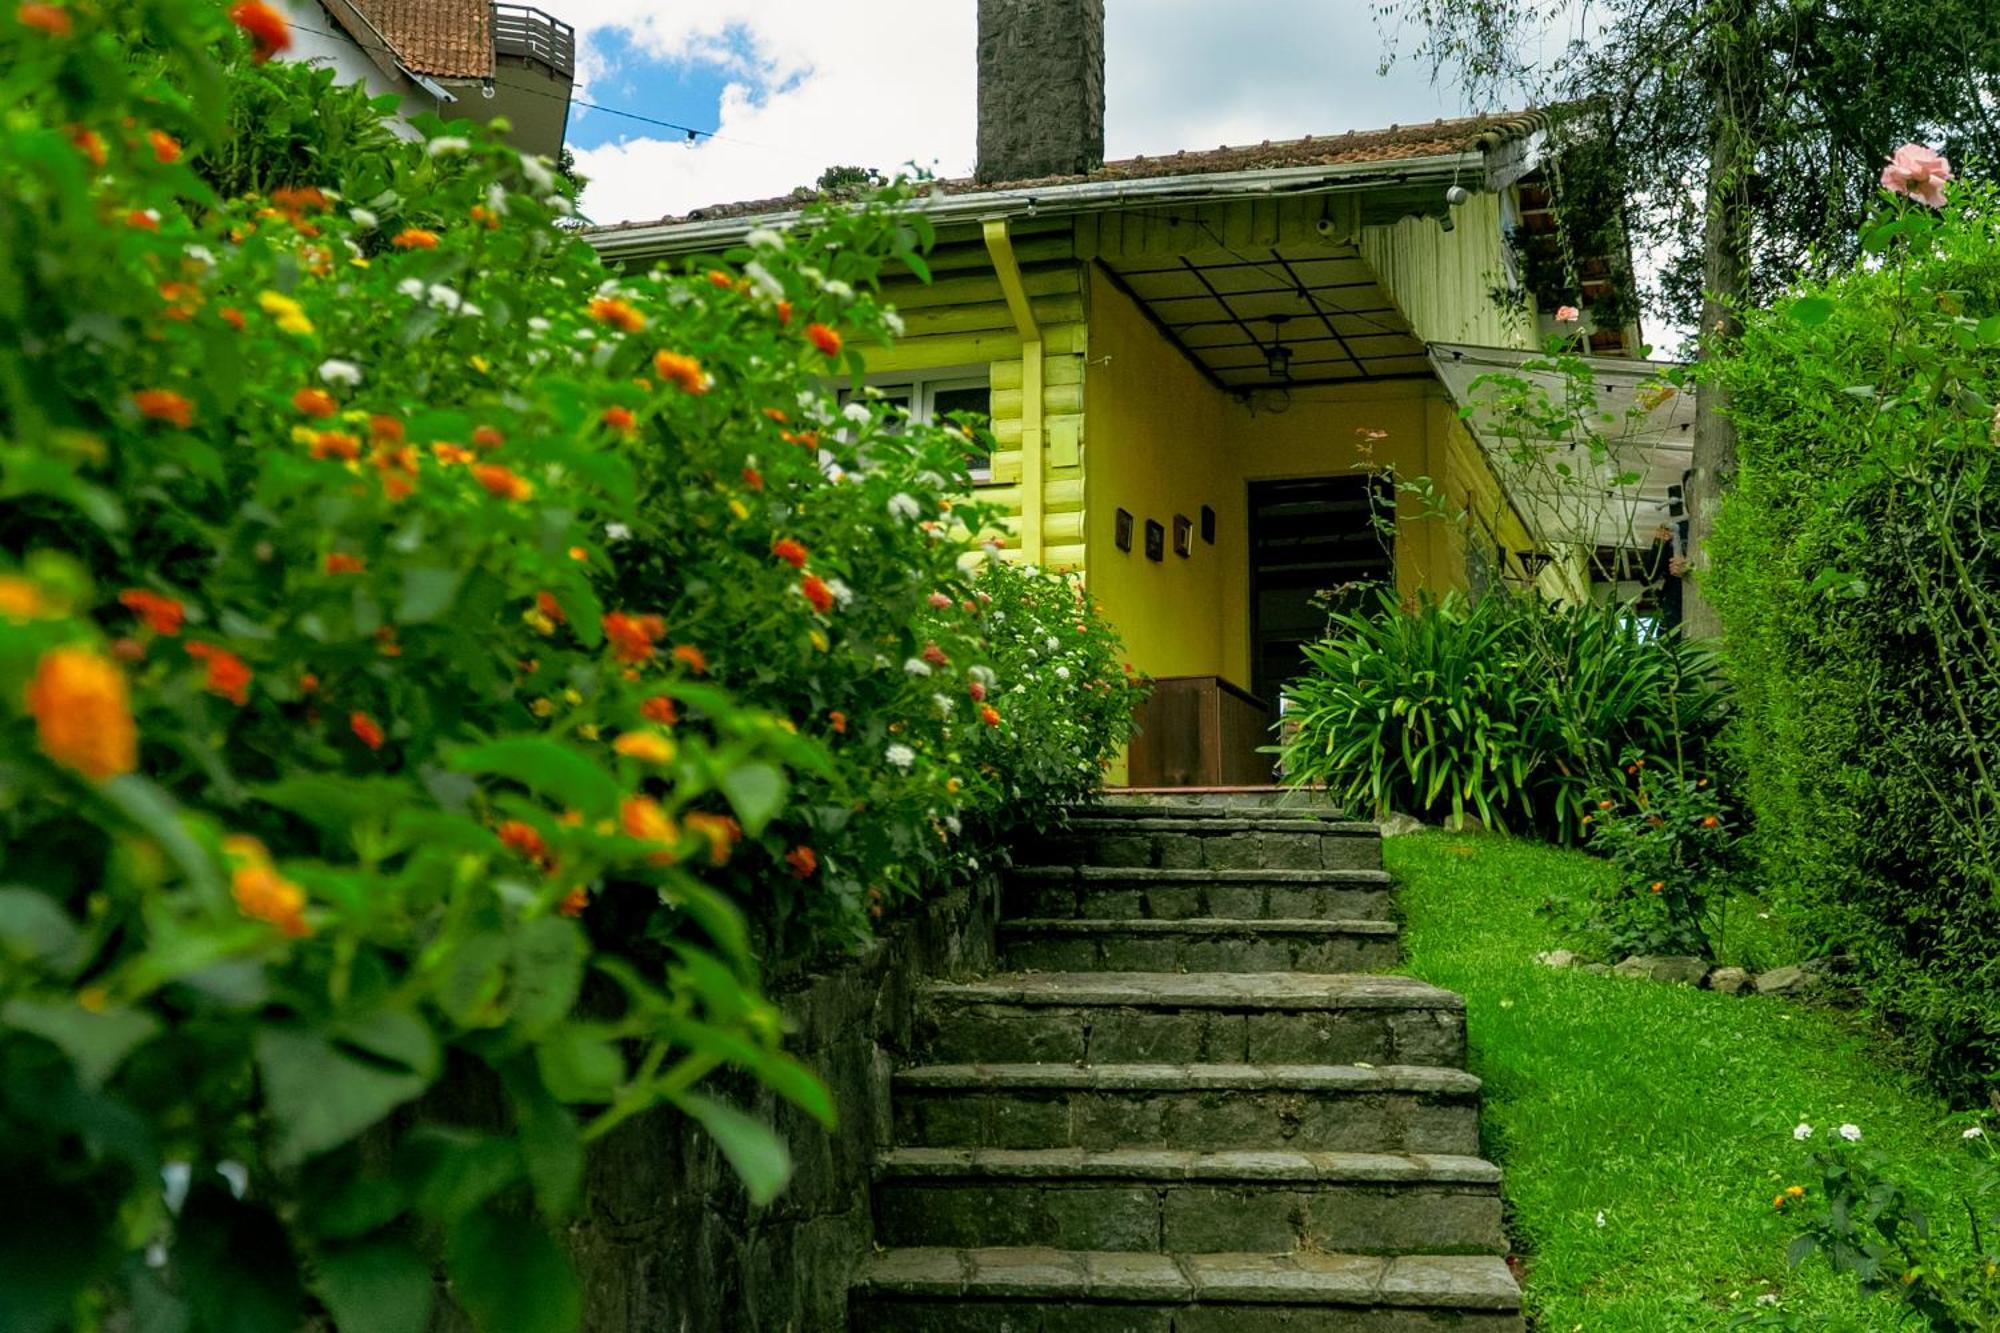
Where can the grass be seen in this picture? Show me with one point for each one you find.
(1666, 1109)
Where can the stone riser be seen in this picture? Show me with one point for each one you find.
(1192, 1217)
(1112, 900)
(1007, 1033)
(1031, 1316)
(1196, 850)
(1199, 953)
(1208, 1120)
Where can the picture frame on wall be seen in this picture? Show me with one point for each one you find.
(1156, 540)
(1183, 536)
(1124, 531)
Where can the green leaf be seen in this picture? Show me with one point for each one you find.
(320, 1096)
(428, 593)
(379, 1286)
(757, 793)
(35, 929)
(547, 768)
(96, 1043)
(550, 1140)
(236, 1267)
(1812, 311)
(548, 957)
(579, 1066)
(759, 1156)
(510, 1277)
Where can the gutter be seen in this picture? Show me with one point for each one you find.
(1000, 245)
(658, 239)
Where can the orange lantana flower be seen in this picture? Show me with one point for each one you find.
(268, 31)
(616, 313)
(164, 405)
(339, 562)
(227, 674)
(641, 817)
(166, 148)
(838, 721)
(574, 901)
(162, 614)
(789, 551)
(315, 402)
(648, 747)
(520, 837)
(336, 444)
(366, 729)
(803, 861)
(683, 372)
(692, 658)
(415, 238)
(51, 19)
(632, 637)
(722, 832)
(83, 715)
(817, 592)
(824, 338)
(91, 144)
(487, 437)
(620, 418)
(501, 482)
(660, 709)
(989, 715)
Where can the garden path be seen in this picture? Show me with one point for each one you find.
(1198, 1105)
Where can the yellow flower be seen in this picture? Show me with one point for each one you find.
(20, 599)
(819, 640)
(94, 999)
(542, 707)
(650, 747)
(291, 316)
(480, 364)
(588, 731)
(738, 508)
(572, 698)
(261, 893)
(83, 716)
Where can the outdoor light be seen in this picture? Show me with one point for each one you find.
(1533, 562)
(1278, 357)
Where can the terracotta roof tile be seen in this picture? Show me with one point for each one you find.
(1396, 143)
(452, 39)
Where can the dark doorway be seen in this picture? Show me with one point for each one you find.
(1308, 538)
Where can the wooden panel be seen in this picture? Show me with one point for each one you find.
(1200, 731)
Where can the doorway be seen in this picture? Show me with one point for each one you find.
(1315, 545)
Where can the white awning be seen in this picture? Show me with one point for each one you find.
(1562, 492)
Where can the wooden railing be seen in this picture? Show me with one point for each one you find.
(526, 33)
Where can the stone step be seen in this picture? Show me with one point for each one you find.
(1228, 843)
(1199, 944)
(1188, 1202)
(1128, 892)
(1217, 1017)
(1196, 1107)
(1264, 803)
(1069, 1291)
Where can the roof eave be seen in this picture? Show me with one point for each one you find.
(660, 240)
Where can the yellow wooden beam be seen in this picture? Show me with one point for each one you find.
(1007, 268)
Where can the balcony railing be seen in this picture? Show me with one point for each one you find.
(528, 34)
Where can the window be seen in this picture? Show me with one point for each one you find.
(932, 396)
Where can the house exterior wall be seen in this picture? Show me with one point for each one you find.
(1443, 281)
(317, 39)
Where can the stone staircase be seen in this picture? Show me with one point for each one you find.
(1192, 1109)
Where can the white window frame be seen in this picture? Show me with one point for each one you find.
(924, 386)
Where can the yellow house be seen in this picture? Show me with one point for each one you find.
(1213, 377)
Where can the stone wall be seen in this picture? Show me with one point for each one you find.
(667, 1243)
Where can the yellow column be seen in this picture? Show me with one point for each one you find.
(1000, 245)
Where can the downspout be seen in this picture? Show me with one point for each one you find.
(1000, 245)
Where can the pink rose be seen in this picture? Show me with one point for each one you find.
(1918, 172)
(1568, 314)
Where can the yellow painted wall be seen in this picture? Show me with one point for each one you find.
(1442, 280)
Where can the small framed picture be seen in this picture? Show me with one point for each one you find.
(1125, 530)
(1207, 525)
(1156, 540)
(1183, 536)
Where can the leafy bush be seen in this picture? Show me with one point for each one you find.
(1501, 706)
(1672, 840)
(1858, 581)
(406, 628)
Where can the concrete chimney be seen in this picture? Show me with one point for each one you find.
(1041, 88)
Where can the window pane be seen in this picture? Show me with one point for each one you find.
(961, 398)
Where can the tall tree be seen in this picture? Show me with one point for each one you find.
(1740, 139)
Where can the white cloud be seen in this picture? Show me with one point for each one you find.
(881, 83)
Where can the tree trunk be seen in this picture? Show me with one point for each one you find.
(1730, 83)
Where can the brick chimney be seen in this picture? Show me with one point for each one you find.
(1041, 88)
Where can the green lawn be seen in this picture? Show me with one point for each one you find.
(1667, 1110)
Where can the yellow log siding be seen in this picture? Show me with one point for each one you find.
(1443, 281)
(961, 318)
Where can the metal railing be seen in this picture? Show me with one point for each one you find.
(526, 33)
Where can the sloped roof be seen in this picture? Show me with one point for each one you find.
(1438, 138)
(451, 39)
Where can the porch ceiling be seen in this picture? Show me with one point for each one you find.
(1331, 313)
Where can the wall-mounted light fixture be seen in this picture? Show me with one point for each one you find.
(1534, 562)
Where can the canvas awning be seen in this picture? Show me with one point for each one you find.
(1562, 492)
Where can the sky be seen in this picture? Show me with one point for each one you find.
(793, 86)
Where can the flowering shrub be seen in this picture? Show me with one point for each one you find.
(1868, 1225)
(406, 628)
(1673, 842)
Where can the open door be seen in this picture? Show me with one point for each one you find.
(1315, 536)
